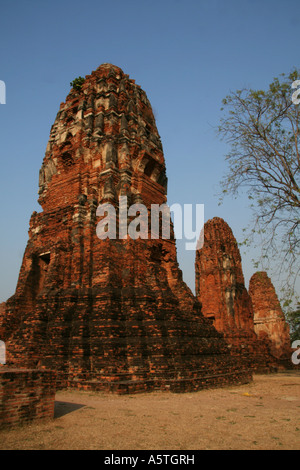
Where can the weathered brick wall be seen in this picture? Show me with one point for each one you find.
(26, 395)
(220, 284)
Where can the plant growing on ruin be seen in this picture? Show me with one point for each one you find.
(77, 83)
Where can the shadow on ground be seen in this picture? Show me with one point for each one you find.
(62, 408)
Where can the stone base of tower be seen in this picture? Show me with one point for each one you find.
(192, 383)
(120, 341)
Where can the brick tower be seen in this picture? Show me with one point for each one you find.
(269, 319)
(220, 287)
(108, 314)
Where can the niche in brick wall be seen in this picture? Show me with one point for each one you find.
(40, 264)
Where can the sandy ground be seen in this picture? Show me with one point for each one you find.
(264, 414)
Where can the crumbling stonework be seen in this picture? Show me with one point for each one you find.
(108, 314)
(220, 281)
(269, 320)
(224, 299)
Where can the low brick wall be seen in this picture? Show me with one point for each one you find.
(26, 395)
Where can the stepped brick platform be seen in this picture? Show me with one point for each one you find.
(26, 396)
(108, 314)
(224, 298)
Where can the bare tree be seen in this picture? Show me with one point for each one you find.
(262, 130)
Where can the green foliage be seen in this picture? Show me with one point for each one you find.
(262, 128)
(294, 322)
(77, 83)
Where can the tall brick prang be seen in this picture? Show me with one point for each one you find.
(221, 290)
(108, 314)
(220, 284)
(269, 319)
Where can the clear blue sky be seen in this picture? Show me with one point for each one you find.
(186, 55)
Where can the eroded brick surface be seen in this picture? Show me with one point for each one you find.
(269, 320)
(26, 395)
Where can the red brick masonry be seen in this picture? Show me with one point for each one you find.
(269, 320)
(26, 395)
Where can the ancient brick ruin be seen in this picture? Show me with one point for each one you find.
(220, 288)
(269, 320)
(220, 281)
(109, 314)
(26, 395)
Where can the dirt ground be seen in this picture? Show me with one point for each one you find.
(264, 414)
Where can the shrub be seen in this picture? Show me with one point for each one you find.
(77, 83)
